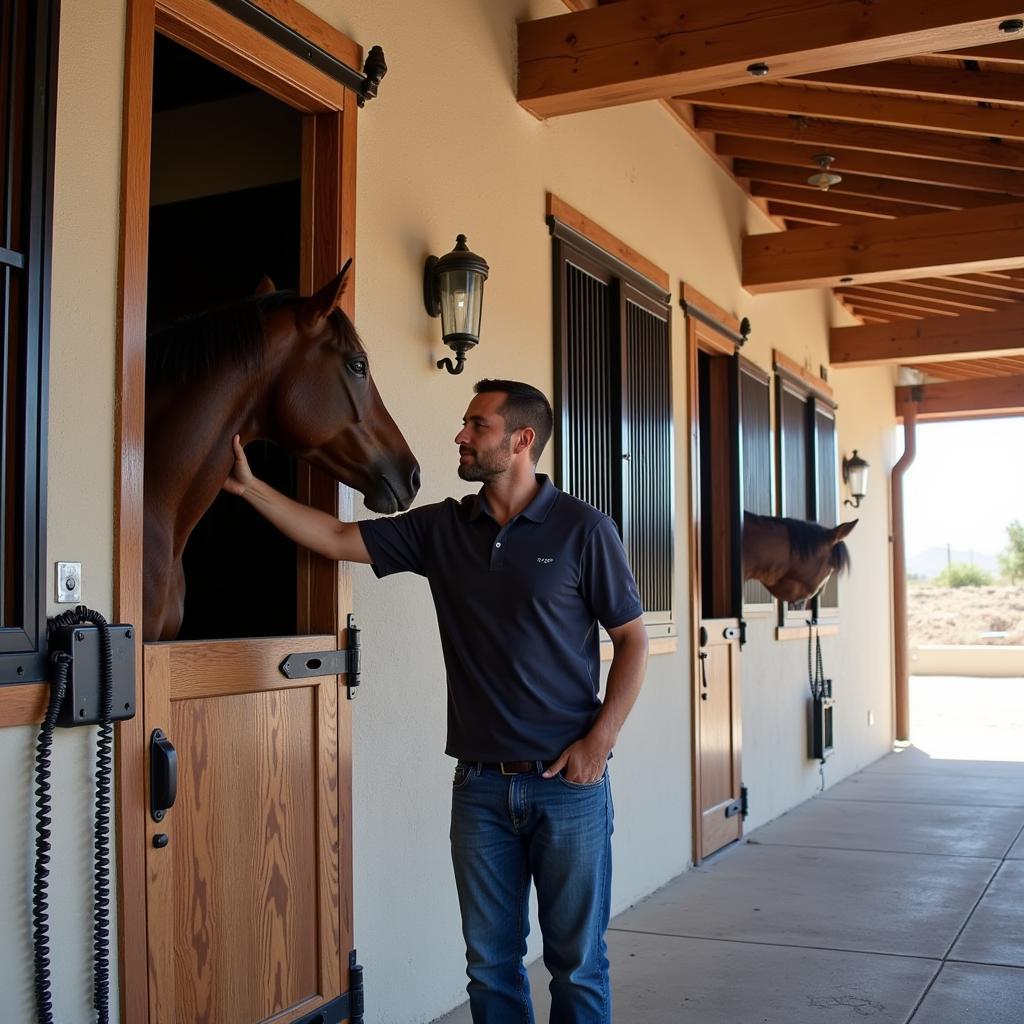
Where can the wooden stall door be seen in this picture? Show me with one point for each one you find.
(236, 905)
(715, 548)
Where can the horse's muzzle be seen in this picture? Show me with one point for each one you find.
(392, 493)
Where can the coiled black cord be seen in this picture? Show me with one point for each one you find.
(40, 884)
(101, 832)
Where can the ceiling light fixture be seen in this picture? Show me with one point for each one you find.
(824, 179)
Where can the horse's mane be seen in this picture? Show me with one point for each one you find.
(806, 539)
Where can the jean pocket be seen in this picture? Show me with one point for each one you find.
(463, 773)
(582, 785)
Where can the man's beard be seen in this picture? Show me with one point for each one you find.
(488, 465)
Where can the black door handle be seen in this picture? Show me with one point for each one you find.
(163, 775)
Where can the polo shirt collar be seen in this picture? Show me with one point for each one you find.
(537, 510)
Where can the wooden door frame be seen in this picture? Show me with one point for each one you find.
(329, 162)
(700, 337)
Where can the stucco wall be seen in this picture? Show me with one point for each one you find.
(446, 149)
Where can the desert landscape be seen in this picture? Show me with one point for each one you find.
(965, 615)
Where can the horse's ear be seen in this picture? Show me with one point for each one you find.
(319, 307)
(265, 287)
(843, 530)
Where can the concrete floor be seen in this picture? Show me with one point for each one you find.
(896, 896)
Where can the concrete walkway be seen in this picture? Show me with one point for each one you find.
(895, 896)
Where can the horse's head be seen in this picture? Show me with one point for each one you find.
(812, 561)
(325, 406)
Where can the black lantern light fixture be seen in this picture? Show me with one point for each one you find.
(855, 474)
(453, 289)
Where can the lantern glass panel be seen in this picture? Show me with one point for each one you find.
(462, 296)
(858, 480)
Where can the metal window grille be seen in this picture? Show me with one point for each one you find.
(756, 458)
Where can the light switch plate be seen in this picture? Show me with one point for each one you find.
(69, 583)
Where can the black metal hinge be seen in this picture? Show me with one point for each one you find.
(344, 661)
(348, 1006)
(739, 807)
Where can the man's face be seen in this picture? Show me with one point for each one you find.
(485, 450)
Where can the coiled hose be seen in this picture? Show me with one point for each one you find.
(101, 833)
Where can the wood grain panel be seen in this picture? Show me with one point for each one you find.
(204, 669)
(234, 46)
(645, 49)
(246, 936)
(23, 704)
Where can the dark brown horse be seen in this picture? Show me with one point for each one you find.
(274, 367)
(793, 558)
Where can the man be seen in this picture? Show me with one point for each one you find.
(521, 574)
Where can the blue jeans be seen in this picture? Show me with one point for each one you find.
(507, 830)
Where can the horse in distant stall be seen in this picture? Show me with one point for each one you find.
(792, 558)
(272, 367)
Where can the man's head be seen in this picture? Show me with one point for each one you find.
(505, 422)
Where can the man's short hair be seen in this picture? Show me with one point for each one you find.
(524, 406)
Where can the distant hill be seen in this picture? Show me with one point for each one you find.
(930, 562)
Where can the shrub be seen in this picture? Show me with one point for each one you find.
(961, 574)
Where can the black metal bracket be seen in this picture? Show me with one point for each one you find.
(738, 338)
(348, 1006)
(344, 661)
(364, 84)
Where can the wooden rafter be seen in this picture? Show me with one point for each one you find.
(978, 335)
(867, 108)
(931, 171)
(651, 49)
(897, 141)
(864, 206)
(812, 215)
(1011, 52)
(986, 396)
(902, 292)
(913, 304)
(959, 241)
(925, 80)
(941, 197)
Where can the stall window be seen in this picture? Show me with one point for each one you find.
(613, 416)
(28, 33)
(756, 459)
(808, 478)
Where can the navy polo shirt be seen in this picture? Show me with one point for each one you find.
(518, 608)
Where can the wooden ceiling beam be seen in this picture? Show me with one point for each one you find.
(888, 315)
(867, 108)
(651, 49)
(843, 134)
(957, 286)
(926, 80)
(916, 300)
(862, 206)
(925, 245)
(985, 396)
(1010, 52)
(935, 296)
(939, 339)
(1006, 286)
(939, 196)
(936, 172)
(813, 215)
(881, 302)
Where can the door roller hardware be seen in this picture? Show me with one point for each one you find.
(345, 661)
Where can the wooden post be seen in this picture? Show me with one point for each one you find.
(899, 577)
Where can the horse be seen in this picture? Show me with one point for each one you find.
(792, 558)
(272, 367)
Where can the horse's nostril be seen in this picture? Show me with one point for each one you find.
(415, 478)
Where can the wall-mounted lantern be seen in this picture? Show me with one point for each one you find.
(453, 289)
(855, 474)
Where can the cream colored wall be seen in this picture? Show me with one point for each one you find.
(446, 149)
(80, 486)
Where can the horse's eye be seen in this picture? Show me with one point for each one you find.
(358, 367)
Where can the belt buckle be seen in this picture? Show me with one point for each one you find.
(501, 765)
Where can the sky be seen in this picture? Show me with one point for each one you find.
(965, 485)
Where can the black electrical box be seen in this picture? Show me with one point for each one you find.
(83, 702)
(822, 727)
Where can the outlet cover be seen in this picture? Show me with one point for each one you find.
(69, 583)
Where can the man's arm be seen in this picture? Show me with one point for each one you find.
(307, 526)
(584, 761)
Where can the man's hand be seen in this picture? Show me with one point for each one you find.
(240, 478)
(584, 761)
